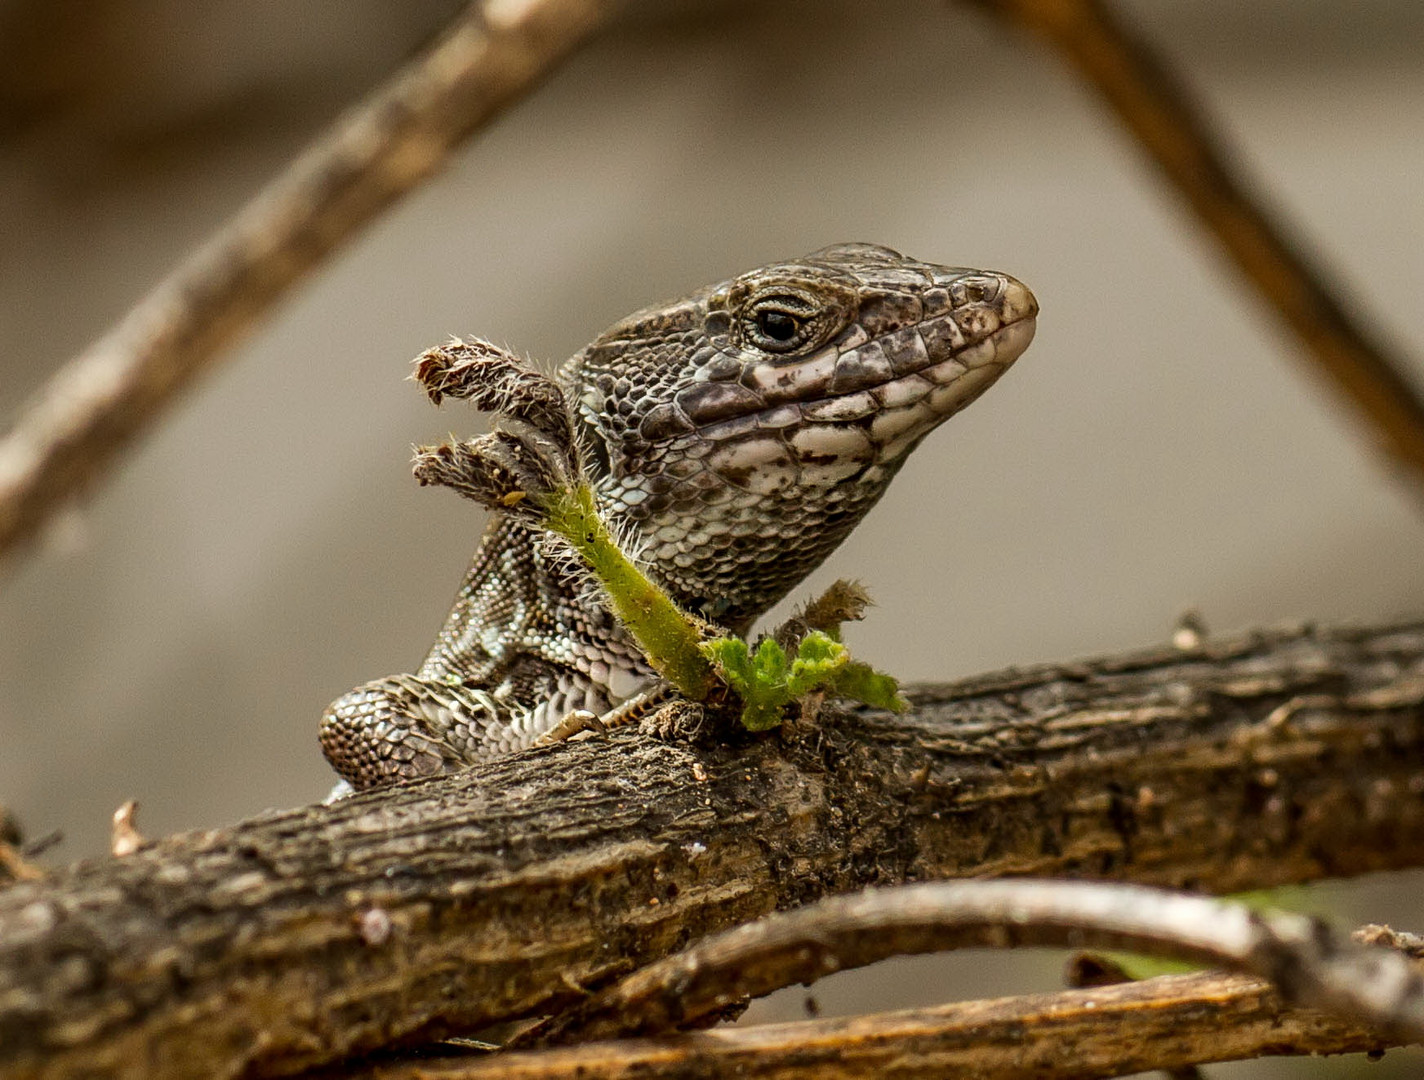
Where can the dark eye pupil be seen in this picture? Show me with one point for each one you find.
(777, 325)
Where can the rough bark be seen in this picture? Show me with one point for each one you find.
(302, 936)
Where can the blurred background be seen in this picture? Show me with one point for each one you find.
(1158, 448)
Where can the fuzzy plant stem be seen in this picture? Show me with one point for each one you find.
(667, 636)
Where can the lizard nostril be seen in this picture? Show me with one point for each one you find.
(982, 290)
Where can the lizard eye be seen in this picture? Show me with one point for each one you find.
(782, 322)
(777, 325)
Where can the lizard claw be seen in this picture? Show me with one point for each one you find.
(496, 381)
(575, 723)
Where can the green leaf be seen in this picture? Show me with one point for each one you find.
(770, 664)
(759, 678)
(766, 682)
(732, 660)
(820, 648)
(861, 682)
(817, 661)
(763, 714)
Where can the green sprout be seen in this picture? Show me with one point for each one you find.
(768, 680)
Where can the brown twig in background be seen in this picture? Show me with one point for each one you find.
(1168, 1023)
(1177, 133)
(493, 53)
(1410, 944)
(1307, 964)
(13, 864)
(1086, 970)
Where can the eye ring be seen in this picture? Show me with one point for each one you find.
(782, 322)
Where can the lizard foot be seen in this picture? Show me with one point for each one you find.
(637, 709)
(403, 728)
(575, 723)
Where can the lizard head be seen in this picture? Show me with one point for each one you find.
(738, 434)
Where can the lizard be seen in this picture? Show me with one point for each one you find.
(733, 438)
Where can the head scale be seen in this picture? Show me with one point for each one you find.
(742, 432)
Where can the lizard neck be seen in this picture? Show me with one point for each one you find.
(519, 602)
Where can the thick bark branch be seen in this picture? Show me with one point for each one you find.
(64, 441)
(1167, 1023)
(402, 915)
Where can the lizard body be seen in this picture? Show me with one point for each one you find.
(733, 438)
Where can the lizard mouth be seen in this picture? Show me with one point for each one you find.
(910, 406)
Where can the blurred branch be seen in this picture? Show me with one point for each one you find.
(1410, 944)
(13, 864)
(64, 441)
(1169, 1023)
(1307, 963)
(1087, 970)
(1177, 133)
(411, 913)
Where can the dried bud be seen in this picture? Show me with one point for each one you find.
(496, 381)
(516, 472)
(845, 601)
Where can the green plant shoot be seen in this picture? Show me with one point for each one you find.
(767, 681)
(667, 635)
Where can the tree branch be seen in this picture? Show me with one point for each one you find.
(1167, 1023)
(63, 442)
(1305, 961)
(1179, 136)
(511, 889)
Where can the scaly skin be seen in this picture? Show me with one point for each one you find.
(734, 438)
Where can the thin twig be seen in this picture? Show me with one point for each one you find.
(13, 864)
(1178, 134)
(1087, 970)
(1403, 941)
(1307, 963)
(493, 54)
(1167, 1023)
